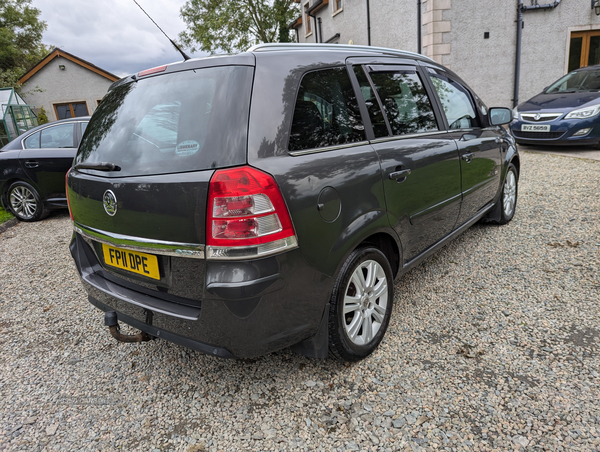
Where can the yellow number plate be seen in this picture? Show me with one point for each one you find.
(140, 263)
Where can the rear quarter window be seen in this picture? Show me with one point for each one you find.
(326, 111)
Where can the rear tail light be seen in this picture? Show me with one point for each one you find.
(247, 216)
(67, 192)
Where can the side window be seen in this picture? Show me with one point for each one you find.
(405, 102)
(60, 136)
(375, 114)
(326, 111)
(33, 141)
(456, 102)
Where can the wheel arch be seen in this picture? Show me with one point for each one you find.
(385, 243)
(370, 229)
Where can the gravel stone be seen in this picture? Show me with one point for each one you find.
(51, 429)
(452, 373)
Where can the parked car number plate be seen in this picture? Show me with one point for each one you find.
(133, 261)
(535, 128)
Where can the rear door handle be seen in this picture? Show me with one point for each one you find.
(400, 176)
(467, 157)
(31, 163)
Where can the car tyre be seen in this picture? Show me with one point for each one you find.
(361, 305)
(25, 203)
(508, 198)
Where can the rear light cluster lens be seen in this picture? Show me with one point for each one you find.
(236, 206)
(243, 228)
(247, 216)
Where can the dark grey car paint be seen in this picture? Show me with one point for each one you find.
(251, 307)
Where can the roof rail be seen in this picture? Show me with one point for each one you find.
(307, 46)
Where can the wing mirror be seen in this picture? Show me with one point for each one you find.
(500, 116)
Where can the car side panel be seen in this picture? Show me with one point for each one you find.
(425, 203)
(354, 175)
(10, 170)
(480, 164)
(47, 169)
(352, 171)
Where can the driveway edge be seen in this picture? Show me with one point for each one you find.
(8, 224)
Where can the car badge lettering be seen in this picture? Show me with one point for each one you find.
(110, 202)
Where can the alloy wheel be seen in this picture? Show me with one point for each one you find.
(365, 302)
(509, 196)
(23, 202)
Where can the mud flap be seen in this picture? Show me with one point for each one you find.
(318, 345)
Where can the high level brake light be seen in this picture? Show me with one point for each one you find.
(247, 216)
(153, 70)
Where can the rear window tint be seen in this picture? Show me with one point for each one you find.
(326, 111)
(186, 121)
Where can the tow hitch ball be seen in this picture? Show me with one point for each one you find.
(110, 320)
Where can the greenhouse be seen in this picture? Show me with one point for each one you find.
(16, 116)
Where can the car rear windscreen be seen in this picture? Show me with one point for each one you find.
(184, 121)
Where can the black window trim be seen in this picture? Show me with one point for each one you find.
(328, 148)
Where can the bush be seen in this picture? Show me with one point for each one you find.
(42, 116)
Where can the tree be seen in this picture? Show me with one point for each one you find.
(235, 25)
(20, 40)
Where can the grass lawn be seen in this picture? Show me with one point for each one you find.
(4, 215)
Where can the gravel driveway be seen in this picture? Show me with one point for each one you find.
(494, 343)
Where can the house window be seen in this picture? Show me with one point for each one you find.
(308, 27)
(337, 6)
(584, 49)
(71, 110)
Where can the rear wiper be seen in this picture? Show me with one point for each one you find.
(99, 166)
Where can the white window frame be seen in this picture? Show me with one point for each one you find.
(337, 10)
(307, 20)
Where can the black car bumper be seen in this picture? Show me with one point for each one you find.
(249, 308)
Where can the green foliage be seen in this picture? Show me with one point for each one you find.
(4, 216)
(235, 25)
(42, 116)
(21, 45)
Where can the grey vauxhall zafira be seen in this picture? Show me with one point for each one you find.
(238, 205)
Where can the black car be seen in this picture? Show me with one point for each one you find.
(33, 168)
(242, 204)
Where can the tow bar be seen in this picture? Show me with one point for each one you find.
(110, 320)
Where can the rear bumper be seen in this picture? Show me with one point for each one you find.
(249, 308)
(161, 333)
